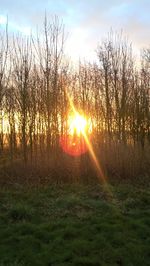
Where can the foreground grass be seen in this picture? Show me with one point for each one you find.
(75, 225)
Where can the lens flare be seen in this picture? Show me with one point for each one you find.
(73, 142)
(86, 141)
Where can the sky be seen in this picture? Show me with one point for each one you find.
(87, 22)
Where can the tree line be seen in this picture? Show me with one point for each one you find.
(35, 77)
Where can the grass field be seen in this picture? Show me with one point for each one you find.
(75, 225)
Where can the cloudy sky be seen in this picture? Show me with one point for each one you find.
(87, 22)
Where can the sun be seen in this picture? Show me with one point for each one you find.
(77, 124)
(78, 130)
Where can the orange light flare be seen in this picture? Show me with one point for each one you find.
(74, 142)
(78, 141)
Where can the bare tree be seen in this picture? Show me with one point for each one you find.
(3, 77)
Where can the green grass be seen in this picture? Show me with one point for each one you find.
(75, 225)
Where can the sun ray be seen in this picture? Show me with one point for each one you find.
(88, 143)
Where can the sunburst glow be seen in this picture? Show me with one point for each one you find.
(77, 124)
(73, 142)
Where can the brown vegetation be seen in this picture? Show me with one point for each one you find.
(114, 92)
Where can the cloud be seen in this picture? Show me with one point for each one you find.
(86, 21)
(14, 27)
(3, 20)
